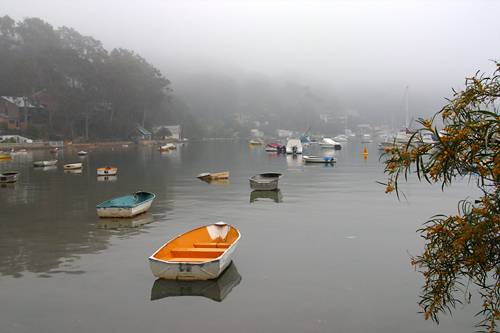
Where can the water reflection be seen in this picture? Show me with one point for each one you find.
(8, 186)
(275, 195)
(75, 171)
(46, 168)
(121, 223)
(107, 178)
(216, 181)
(215, 290)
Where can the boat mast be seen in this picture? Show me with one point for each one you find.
(407, 124)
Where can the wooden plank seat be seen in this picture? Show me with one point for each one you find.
(197, 252)
(189, 259)
(218, 245)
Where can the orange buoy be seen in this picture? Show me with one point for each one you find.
(365, 153)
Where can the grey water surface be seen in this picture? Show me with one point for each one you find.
(330, 253)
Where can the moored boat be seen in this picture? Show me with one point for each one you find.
(319, 159)
(294, 146)
(126, 206)
(167, 147)
(8, 177)
(5, 156)
(255, 142)
(330, 144)
(274, 148)
(73, 166)
(200, 254)
(341, 138)
(82, 153)
(44, 163)
(207, 176)
(366, 138)
(107, 171)
(265, 181)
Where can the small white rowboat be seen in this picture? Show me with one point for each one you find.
(73, 166)
(200, 254)
(44, 163)
(9, 177)
(319, 159)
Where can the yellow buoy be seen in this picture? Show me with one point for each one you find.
(365, 153)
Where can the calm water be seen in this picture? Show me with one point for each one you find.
(332, 255)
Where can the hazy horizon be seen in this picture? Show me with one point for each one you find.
(364, 53)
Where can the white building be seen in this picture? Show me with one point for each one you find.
(15, 139)
(283, 133)
(175, 130)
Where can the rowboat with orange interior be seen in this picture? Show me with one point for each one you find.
(107, 171)
(200, 254)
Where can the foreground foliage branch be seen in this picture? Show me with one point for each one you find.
(462, 251)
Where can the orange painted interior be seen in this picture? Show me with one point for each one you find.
(197, 246)
(106, 168)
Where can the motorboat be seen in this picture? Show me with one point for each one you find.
(199, 254)
(329, 143)
(126, 206)
(275, 148)
(265, 181)
(294, 147)
(82, 153)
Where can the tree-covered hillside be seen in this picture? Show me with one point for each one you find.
(89, 92)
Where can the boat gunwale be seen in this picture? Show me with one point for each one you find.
(264, 179)
(126, 207)
(152, 257)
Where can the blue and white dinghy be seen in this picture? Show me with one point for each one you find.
(126, 206)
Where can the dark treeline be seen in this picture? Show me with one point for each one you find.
(94, 93)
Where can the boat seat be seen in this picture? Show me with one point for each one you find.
(212, 245)
(179, 259)
(196, 252)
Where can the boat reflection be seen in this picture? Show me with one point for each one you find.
(216, 181)
(75, 171)
(46, 168)
(216, 289)
(107, 178)
(124, 223)
(11, 186)
(274, 195)
(293, 160)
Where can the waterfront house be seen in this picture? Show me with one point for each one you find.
(17, 112)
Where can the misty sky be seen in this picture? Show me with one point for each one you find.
(364, 52)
